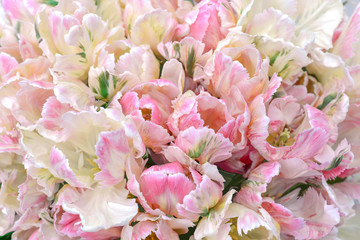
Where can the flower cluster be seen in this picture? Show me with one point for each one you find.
(179, 119)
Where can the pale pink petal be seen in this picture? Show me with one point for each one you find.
(283, 111)
(210, 224)
(103, 208)
(174, 72)
(27, 49)
(165, 232)
(113, 151)
(308, 144)
(251, 222)
(134, 187)
(344, 45)
(264, 172)
(164, 186)
(154, 136)
(338, 169)
(157, 95)
(226, 73)
(53, 27)
(24, 10)
(175, 154)
(50, 123)
(274, 84)
(258, 125)
(7, 63)
(76, 94)
(330, 70)
(320, 217)
(317, 118)
(152, 28)
(250, 192)
(140, 231)
(198, 28)
(294, 168)
(249, 197)
(273, 23)
(129, 102)
(185, 113)
(286, 59)
(52, 112)
(60, 168)
(137, 66)
(212, 111)
(27, 103)
(30, 196)
(200, 200)
(208, 25)
(204, 145)
(314, 30)
(69, 225)
(289, 223)
(236, 103)
(235, 130)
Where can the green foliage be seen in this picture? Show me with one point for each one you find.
(52, 3)
(336, 180)
(303, 188)
(6, 236)
(274, 57)
(327, 100)
(187, 235)
(197, 151)
(335, 163)
(232, 180)
(190, 62)
(104, 84)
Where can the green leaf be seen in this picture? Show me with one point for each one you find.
(52, 3)
(104, 84)
(18, 27)
(336, 180)
(191, 1)
(303, 188)
(177, 50)
(6, 236)
(82, 54)
(284, 68)
(274, 57)
(147, 156)
(197, 151)
(141, 209)
(335, 163)
(232, 180)
(327, 100)
(187, 235)
(190, 62)
(37, 32)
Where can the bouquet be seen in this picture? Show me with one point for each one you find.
(179, 119)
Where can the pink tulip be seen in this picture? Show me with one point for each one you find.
(172, 189)
(166, 185)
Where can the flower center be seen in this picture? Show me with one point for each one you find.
(146, 113)
(152, 236)
(281, 139)
(234, 234)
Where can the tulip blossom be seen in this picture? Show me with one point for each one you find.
(179, 119)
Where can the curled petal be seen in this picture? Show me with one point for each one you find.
(153, 28)
(204, 145)
(103, 208)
